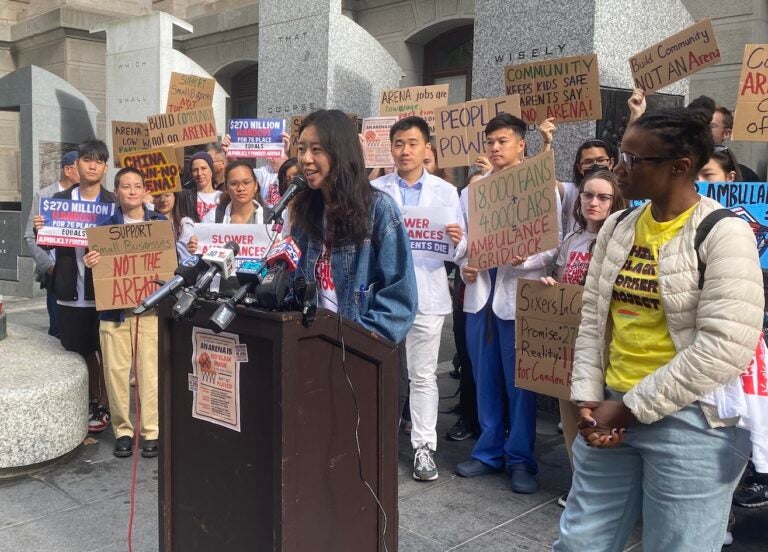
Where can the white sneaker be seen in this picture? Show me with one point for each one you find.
(424, 468)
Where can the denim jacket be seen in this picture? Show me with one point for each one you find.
(375, 283)
(118, 315)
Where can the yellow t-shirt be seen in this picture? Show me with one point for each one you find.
(641, 343)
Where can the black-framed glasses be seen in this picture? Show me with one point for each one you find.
(629, 160)
(589, 163)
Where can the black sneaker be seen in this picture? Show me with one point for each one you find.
(424, 467)
(459, 431)
(752, 496)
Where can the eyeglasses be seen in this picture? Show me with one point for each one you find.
(589, 196)
(237, 183)
(589, 163)
(629, 160)
(714, 126)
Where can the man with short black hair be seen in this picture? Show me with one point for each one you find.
(219, 157)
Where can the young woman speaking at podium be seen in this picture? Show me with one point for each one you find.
(353, 241)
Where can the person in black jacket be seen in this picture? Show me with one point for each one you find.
(73, 283)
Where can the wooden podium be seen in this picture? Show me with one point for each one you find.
(289, 480)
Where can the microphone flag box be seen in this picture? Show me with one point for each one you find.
(286, 250)
(133, 256)
(222, 257)
(253, 239)
(256, 138)
(65, 221)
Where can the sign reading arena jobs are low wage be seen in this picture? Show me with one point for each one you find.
(65, 221)
(189, 92)
(256, 138)
(416, 100)
(676, 57)
(253, 239)
(185, 128)
(750, 120)
(513, 213)
(128, 137)
(132, 257)
(376, 145)
(160, 169)
(426, 230)
(460, 128)
(547, 321)
(567, 89)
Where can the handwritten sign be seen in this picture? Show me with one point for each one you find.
(676, 57)
(65, 221)
(160, 169)
(215, 377)
(185, 128)
(256, 138)
(460, 128)
(567, 89)
(376, 145)
(128, 137)
(416, 100)
(188, 92)
(750, 120)
(513, 213)
(547, 321)
(132, 257)
(253, 239)
(426, 229)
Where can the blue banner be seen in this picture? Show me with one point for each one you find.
(256, 138)
(65, 220)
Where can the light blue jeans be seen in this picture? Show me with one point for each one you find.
(678, 472)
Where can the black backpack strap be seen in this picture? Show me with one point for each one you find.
(703, 230)
(624, 214)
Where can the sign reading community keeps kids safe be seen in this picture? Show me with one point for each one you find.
(513, 213)
(65, 221)
(750, 120)
(426, 230)
(133, 256)
(253, 239)
(256, 138)
(567, 89)
(416, 100)
(159, 168)
(460, 128)
(547, 321)
(676, 57)
(185, 128)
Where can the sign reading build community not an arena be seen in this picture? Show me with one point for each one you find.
(513, 213)
(185, 128)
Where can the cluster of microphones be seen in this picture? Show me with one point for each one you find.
(262, 284)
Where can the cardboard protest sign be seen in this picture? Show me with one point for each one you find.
(567, 89)
(128, 137)
(376, 145)
(185, 128)
(426, 230)
(65, 221)
(188, 92)
(159, 167)
(256, 138)
(676, 57)
(513, 213)
(546, 324)
(254, 239)
(132, 257)
(215, 377)
(460, 128)
(416, 100)
(750, 120)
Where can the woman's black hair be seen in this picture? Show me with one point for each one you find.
(684, 133)
(350, 195)
(727, 161)
(284, 168)
(224, 198)
(592, 143)
(185, 205)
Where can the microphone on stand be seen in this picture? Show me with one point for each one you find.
(221, 260)
(248, 275)
(298, 184)
(283, 258)
(185, 275)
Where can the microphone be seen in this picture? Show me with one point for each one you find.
(185, 275)
(283, 258)
(298, 184)
(221, 260)
(248, 275)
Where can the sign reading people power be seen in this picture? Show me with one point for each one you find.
(513, 213)
(460, 128)
(567, 89)
(676, 57)
(547, 321)
(750, 120)
(417, 100)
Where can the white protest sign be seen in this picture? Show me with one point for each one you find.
(253, 239)
(426, 229)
